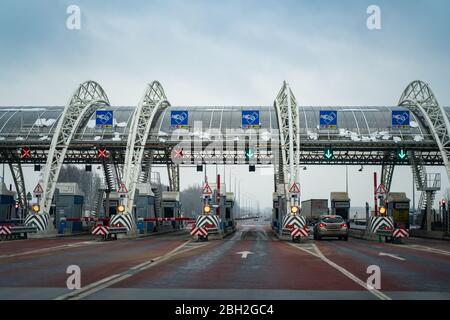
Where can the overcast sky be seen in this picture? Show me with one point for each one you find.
(231, 53)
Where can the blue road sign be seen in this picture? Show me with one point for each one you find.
(179, 118)
(250, 119)
(328, 119)
(104, 119)
(400, 119)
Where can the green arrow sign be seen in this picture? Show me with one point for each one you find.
(249, 153)
(328, 153)
(402, 154)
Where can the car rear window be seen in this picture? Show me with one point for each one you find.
(332, 219)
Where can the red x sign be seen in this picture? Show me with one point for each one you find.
(102, 153)
(178, 153)
(26, 153)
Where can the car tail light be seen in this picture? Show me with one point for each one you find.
(322, 225)
(344, 225)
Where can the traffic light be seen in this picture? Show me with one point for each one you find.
(36, 207)
(249, 153)
(120, 208)
(294, 210)
(401, 154)
(206, 209)
(383, 211)
(328, 153)
(102, 153)
(17, 205)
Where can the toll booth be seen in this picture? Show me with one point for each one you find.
(145, 205)
(171, 208)
(398, 208)
(226, 212)
(68, 203)
(7, 202)
(340, 204)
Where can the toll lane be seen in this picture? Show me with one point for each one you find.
(40, 270)
(404, 271)
(252, 263)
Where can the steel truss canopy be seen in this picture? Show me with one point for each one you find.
(364, 134)
(88, 130)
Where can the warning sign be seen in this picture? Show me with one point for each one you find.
(122, 188)
(207, 189)
(381, 189)
(38, 189)
(294, 188)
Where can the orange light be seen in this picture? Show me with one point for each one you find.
(207, 209)
(294, 209)
(36, 208)
(120, 208)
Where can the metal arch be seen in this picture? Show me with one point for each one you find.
(419, 98)
(289, 132)
(88, 97)
(19, 182)
(148, 110)
(173, 171)
(387, 172)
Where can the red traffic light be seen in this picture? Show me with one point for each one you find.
(25, 153)
(102, 153)
(17, 205)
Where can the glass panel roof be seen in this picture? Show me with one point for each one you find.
(27, 122)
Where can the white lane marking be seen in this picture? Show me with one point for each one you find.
(391, 255)
(111, 280)
(50, 249)
(244, 254)
(319, 254)
(426, 249)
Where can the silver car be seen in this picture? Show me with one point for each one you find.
(331, 226)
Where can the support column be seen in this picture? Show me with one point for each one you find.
(19, 183)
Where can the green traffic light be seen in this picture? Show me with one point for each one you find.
(402, 154)
(249, 153)
(328, 153)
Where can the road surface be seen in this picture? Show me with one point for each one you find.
(249, 264)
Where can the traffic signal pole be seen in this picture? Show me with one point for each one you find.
(218, 195)
(375, 192)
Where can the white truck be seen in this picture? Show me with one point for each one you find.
(313, 208)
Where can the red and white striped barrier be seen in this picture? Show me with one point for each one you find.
(299, 232)
(100, 230)
(199, 231)
(5, 230)
(169, 219)
(401, 233)
(87, 219)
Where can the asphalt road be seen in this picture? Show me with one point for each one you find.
(249, 264)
